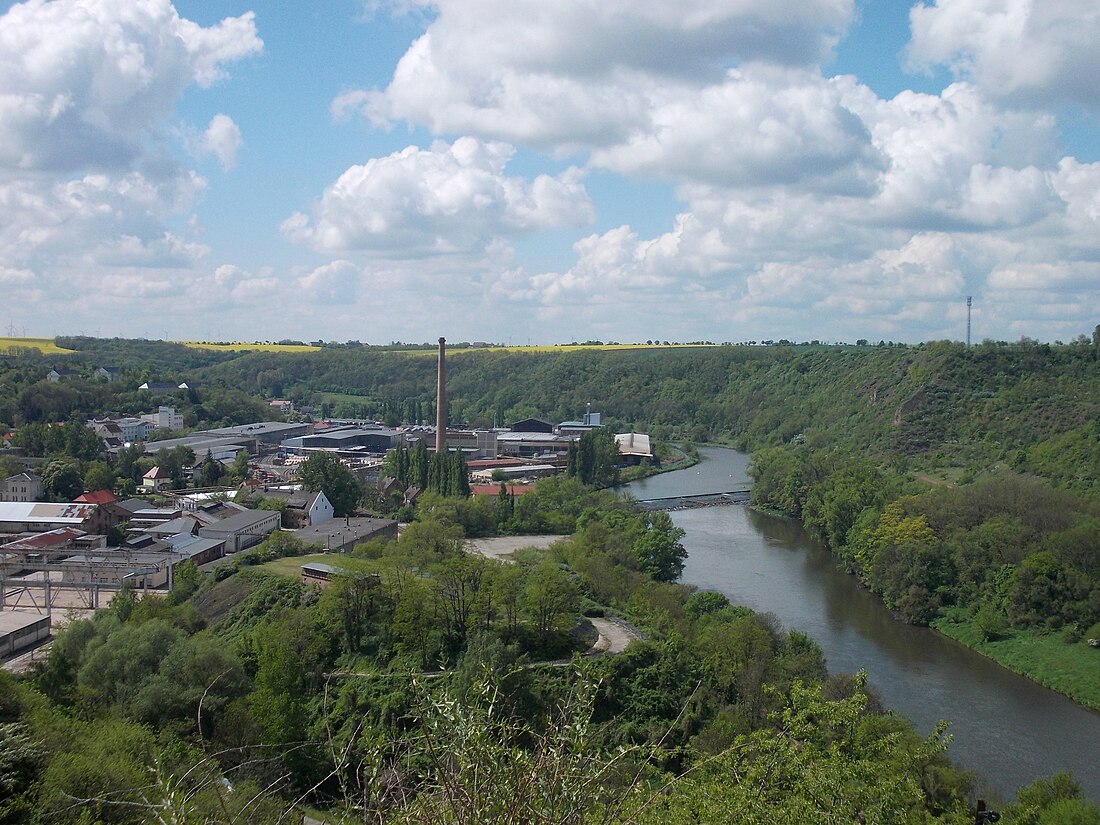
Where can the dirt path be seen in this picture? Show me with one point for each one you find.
(502, 547)
(614, 634)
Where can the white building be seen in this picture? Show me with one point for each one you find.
(21, 487)
(165, 418)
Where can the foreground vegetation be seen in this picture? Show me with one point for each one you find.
(409, 691)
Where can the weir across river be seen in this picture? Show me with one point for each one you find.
(738, 495)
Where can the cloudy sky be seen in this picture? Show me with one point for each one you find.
(550, 170)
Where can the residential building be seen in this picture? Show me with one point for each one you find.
(165, 418)
(55, 375)
(303, 508)
(108, 374)
(156, 480)
(22, 487)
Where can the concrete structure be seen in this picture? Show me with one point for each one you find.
(341, 535)
(39, 516)
(21, 629)
(22, 487)
(243, 530)
(441, 399)
(165, 418)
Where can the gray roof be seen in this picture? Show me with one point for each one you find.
(241, 520)
(253, 430)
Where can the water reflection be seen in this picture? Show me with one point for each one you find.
(1006, 728)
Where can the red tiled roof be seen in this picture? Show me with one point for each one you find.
(96, 497)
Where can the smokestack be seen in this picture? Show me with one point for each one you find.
(441, 400)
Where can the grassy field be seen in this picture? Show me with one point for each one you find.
(46, 346)
(291, 567)
(1070, 669)
(244, 346)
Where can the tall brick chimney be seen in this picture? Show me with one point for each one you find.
(441, 400)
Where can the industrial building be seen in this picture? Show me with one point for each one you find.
(21, 629)
(341, 535)
(345, 440)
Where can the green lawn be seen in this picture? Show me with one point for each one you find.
(1071, 669)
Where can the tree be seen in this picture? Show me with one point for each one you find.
(99, 476)
(62, 480)
(595, 459)
(325, 472)
(174, 460)
(659, 551)
(240, 470)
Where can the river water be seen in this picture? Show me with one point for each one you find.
(1006, 729)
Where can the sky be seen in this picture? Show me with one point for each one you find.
(546, 171)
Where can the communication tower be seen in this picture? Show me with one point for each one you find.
(968, 302)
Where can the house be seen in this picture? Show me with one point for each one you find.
(108, 374)
(126, 429)
(55, 375)
(242, 530)
(22, 487)
(156, 480)
(159, 386)
(303, 508)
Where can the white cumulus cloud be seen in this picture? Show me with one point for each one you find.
(451, 198)
(1029, 50)
(222, 139)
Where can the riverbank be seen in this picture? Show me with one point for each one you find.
(683, 457)
(1053, 660)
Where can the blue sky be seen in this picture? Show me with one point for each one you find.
(510, 170)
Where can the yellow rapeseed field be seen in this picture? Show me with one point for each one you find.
(555, 348)
(255, 346)
(46, 346)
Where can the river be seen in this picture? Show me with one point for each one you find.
(1006, 729)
